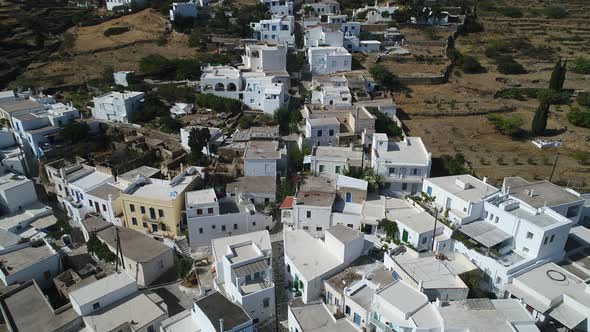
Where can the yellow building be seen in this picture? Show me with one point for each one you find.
(156, 206)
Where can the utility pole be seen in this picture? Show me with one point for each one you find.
(434, 230)
(119, 251)
(554, 166)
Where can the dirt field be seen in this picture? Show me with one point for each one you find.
(93, 53)
(490, 153)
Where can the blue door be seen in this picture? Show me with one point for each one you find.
(429, 191)
(357, 319)
(348, 197)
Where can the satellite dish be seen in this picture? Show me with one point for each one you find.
(173, 194)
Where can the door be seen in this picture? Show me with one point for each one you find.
(348, 197)
(429, 191)
(405, 236)
(368, 229)
(154, 227)
(449, 202)
(357, 319)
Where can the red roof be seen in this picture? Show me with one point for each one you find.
(288, 202)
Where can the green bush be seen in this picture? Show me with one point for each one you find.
(218, 104)
(579, 117)
(170, 125)
(183, 266)
(385, 78)
(583, 99)
(555, 12)
(454, 165)
(470, 65)
(510, 11)
(508, 66)
(384, 124)
(581, 65)
(112, 31)
(507, 125)
(158, 67)
(100, 249)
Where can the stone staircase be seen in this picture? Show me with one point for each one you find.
(181, 245)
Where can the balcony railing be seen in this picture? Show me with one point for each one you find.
(380, 325)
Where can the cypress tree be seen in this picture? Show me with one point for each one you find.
(562, 75)
(539, 123)
(556, 76)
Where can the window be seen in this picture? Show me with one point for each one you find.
(350, 225)
(318, 228)
(337, 170)
(391, 170)
(213, 226)
(498, 280)
(150, 328)
(329, 297)
(200, 230)
(131, 207)
(223, 228)
(309, 214)
(210, 210)
(546, 240)
(104, 208)
(347, 311)
(163, 227)
(235, 226)
(199, 212)
(267, 168)
(552, 237)
(95, 306)
(134, 221)
(254, 223)
(142, 208)
(357, 319)
(415, 171)
(288, 268)
(248, 278)
(266, 200)
(160, 213)
(321, 168)
(337, 302)
(529, 235)
(496, 220)
(90, 202)
(525, 249)
(331, 132)
(491, 216)
(59, 185)
(404, 186)
(152, 213)
(424, 240)
(145, 225)
(265, 302)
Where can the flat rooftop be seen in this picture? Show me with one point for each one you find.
(310, 255)
(101, 287)
(540, 219)
(256, 133)
(20, 259)
(343, 233)
(146, 171)
(339, 153)
(473, 189)
(435, 273)
(544, 193)
(403, 297)
(204, 196)
(25, 308)
(417, 220)
(324, 122)
(216, 306)
(91, 180)
(483, 315)
(410, 150)
(11, 180)
(315, 198)
(105, 191)
(137, 311)
(262, 150)
(163, 190)
(19, 105)
(362, 266)
(485, 233)
(253, 184)
(220, 245)
(316, 317)
(135, 245)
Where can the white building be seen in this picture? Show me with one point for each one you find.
(437, 276)
(216, 140)
(402, 165)
(263, 158)
(459, 197)
(333, 160)
(326, 7)
(243, 265)
(212, 313)
(263, 58)
(333, 92)
(144, 258)
(315, 316)
(279, 7)
(12, 157)
(277, 30)
(321, 131)
(354, 44)
(376, 13)
(180, 109)
(553, 294)
(210, 218)
(112, 4)
(309, 260)
(112, 302)
(120, 77)
(38, 261)
(259, 189)
(328, 60)
(186, 9)
(117, 106)
(321, 35)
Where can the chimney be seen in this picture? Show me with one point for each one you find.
(485, 179)
(181, 167)
(532, 192)
(221, 325)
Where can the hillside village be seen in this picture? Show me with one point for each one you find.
(301, 166)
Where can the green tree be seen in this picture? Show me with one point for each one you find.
(198, 39)
(75, 132)
(169, 124)
(557, 76)
(282, 116)
(454, 165)
(579, 116)
(390, 228)
(539, 123)
(372, 178)
(385, 78)
(507, 125)
(198, 138)
(581, 65)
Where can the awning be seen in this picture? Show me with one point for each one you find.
(251, 268)
(485, 233)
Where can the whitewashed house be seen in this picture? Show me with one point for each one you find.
(279, 7)
(315, 316)
(210, 217)
(321, 131)
(113, 4)
(263, 158)
(180, 109)
(38, 261)
(402, 165)
(331, 92)
(259, 189)
(12, 158)
(354, 44)
(333, 160)
(243, 266)
(310, 260)
(328, 60)
(216, 140)
(321, 35)
(277, 30)
(186, 9)
(117, 106)
(325, 7)
(376, 13)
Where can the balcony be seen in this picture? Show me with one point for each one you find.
(152, 220)
(381, 327)
(255, 286)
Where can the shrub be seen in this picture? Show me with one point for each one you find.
(508, 66)
(583, 99)
(555, 12)
(386, 79)
(507, 125)
(454, 165)
(581, 65)
(510, 11)
(170, 125)
(159, 67)
(383, 124)
(101, 250)
(219, 104)
(579, 117)
(582, 157)
(75, 132)
(470, 65)
(112, 31)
